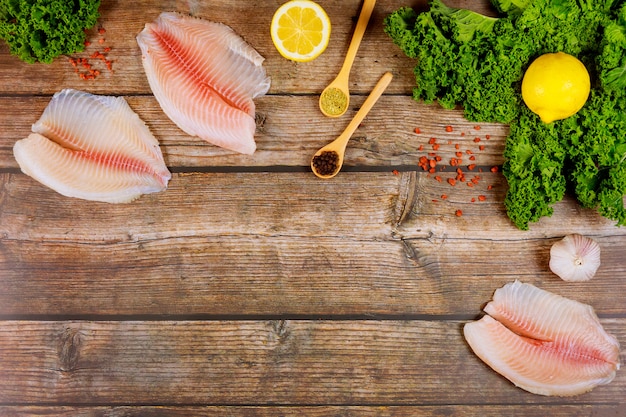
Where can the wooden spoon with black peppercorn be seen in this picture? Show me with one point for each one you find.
(327, 162)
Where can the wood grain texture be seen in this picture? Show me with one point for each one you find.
(252, 288)
(528, 410)
(281, 362)
(288, 240)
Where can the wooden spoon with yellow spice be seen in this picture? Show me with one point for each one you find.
(327, 162)
(335, 98)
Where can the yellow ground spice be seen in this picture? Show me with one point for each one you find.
(333, 101)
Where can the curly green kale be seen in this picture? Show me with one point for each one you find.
(597, 167)
(478, 62)
(535, 158)
(584, 154)
(612, 60)
(41, 30)
(456, 62)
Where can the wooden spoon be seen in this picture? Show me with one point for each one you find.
(339, 87)
(327, 162)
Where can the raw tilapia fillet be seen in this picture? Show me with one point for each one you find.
(205, 78)
(544, 343)
(94, 148)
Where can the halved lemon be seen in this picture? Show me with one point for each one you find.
(300, 30)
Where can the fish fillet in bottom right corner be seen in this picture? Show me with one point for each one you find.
(542, 342)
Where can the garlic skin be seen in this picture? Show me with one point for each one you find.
(575, 258)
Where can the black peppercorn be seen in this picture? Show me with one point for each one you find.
(326, 163)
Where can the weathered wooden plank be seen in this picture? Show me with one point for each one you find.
(365, 205)
(258, 362)
(376, 55)
(290, 138)
(528, 410)
(278, 244)
(210, 277)
(207, 205)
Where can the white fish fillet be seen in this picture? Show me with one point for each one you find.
(94, 148)
(205, 78)
(544, 343)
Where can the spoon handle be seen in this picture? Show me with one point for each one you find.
(359, 31)
(369, 102)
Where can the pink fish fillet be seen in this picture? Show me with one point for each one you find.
(544, 343)
(94, 148)
(205, 78)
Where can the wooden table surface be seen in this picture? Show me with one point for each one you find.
(251, 287)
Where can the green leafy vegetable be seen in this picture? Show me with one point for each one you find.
(464, 23)
(478, 62)
(534, 165)
(511, 6)
(41, 30)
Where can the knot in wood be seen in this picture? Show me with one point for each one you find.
(281, 329)
(69, 349)
(259, 120)
(285, 344)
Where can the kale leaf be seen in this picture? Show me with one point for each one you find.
(41, 30)
(513, 7)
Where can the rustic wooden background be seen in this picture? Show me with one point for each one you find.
(251, 287)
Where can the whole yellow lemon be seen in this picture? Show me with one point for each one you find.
(555, 86)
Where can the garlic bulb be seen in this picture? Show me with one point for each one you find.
(575, 258)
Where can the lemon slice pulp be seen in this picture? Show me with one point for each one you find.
(300, 30)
